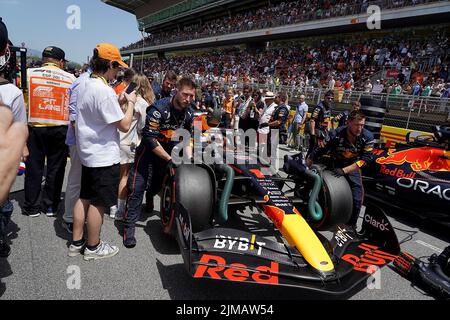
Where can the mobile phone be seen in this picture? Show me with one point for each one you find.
(131, 87)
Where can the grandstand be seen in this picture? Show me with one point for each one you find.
(205, 23)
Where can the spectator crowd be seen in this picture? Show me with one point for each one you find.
(333, 64)
(269, 16)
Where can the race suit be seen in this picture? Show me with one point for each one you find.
(161, 123)
(281, 113)
(343, 153)
(341, 118)
(322, 118)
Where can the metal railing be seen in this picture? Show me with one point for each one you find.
(402, 111)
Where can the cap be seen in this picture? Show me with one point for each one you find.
(54, 53)
(269, 95)
(110, 52)
(3, 36)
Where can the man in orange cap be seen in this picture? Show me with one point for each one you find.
(99, 117)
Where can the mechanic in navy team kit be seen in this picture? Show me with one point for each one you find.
(341, 118)
(320, 122)
(165, 90)
(153, 155)
(278, 119)
(351, 148)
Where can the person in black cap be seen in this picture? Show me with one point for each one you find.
(47, 120)
(13, 134)
(54, 55)
(3, 38)
(320, 122)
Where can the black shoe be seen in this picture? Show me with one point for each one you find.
(67, 226)
(149, 205)
(5, 249)
(32, 214)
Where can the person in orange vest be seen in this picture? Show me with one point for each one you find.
(48, 118)
(127, 77)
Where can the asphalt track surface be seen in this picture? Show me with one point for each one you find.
(39, 268)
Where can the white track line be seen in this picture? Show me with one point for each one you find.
(429, 246)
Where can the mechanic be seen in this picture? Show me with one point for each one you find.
(161, 92)
(350, 148)
(278, 119)
(341, 118)
(166, 90)
(320, 122)
(154, 152)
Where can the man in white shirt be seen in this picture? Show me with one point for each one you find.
(263, 129)
(74, 177)
(331, 83)
(97, 139)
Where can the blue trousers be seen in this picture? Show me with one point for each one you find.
(6, 210)
(149, 169)
(355, 181)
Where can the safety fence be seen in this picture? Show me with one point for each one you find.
(403, 111)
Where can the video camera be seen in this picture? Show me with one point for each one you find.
(9, 68)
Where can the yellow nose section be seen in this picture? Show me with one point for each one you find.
(299, 234)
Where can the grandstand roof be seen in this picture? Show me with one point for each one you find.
(127, 5)
(132, 6)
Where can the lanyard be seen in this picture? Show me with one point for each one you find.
(51, 64)
(94, 76)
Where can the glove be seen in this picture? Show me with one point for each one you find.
(171, 166)
(338, 172)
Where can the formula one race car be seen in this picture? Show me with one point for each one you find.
(414, 176)
(200, 206)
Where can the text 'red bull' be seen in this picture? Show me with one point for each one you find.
(371, 256)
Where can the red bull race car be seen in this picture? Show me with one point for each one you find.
(414, 176)
(201, 207)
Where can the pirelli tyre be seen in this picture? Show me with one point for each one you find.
(336, 201)
(191, 186)
(375, 111)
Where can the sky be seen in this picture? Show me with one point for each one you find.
(41, 23)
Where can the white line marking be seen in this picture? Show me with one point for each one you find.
(429, 246)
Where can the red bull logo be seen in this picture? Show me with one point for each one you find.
(420, 159)
(399, 173)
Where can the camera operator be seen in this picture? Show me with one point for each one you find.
(13, 134)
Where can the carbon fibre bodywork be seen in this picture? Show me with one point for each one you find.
(300, 257)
